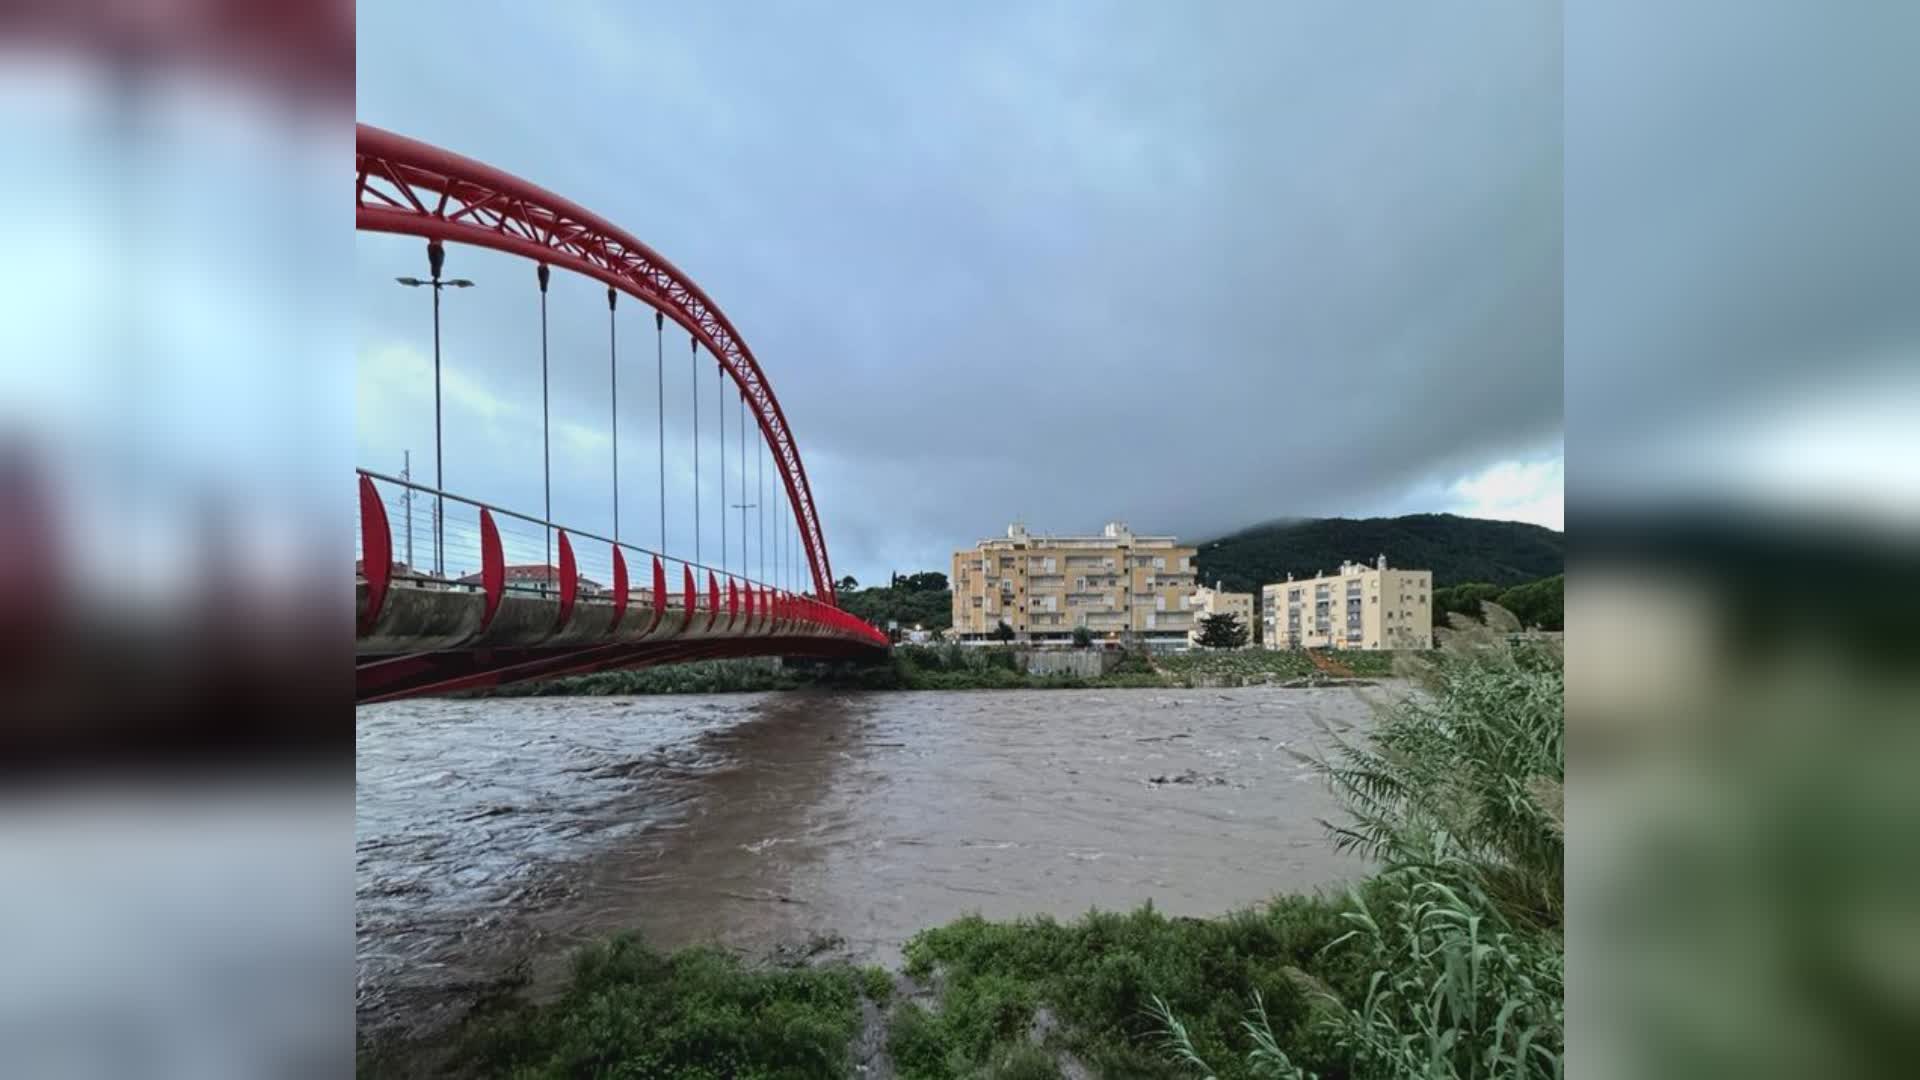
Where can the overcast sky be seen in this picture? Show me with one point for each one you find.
(1190, 266)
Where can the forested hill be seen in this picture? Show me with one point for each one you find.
(1456, 549)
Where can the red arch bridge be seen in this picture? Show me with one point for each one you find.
(474, 611)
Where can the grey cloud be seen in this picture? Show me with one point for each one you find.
(1742, 231)
(1193, 268)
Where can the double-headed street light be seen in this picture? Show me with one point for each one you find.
(436, 258)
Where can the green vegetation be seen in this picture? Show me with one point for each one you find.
(1242, 664)
(877, 984)
(1537, 604)
(1222, 631)
(630, 1011)
(1082, 638)
(1099, 977)
(1464, 598)
(1456, 549)
(910, 600)
(1255, 665)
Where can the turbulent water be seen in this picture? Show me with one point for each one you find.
(503, 831)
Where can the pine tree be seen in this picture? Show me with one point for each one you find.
(1222, 631)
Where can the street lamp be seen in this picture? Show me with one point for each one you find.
(436, 258)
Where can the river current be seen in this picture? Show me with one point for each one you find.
(492, 833)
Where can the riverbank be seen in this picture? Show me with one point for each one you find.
(1451, 947)
(1028, 998)
(953, 667)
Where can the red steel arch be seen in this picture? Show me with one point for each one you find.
(402, 185)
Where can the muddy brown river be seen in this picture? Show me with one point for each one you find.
(491, 833)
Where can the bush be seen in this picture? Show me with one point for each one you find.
(699, 1013)
(1472, 771)
(1100, 974)
(1458, 794)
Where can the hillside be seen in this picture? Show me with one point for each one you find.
(910, 600)
(1456, 549)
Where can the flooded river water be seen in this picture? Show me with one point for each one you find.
(496, 831)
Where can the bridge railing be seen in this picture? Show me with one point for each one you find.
(454, 556)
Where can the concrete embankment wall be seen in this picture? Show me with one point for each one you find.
(1084, 663)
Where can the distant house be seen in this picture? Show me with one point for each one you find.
(535, 579)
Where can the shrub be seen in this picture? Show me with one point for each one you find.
(1458, 795)
(697, 1013)
(1099, 976)
(1471, 773)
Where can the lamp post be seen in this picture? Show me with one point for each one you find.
(436, 258)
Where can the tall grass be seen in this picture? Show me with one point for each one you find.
(1467, 779)
(1457, 796)
(700, 1012)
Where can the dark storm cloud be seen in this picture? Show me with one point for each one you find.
(1189, 266)
(1741, 228)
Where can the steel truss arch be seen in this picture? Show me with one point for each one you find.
(405, 186)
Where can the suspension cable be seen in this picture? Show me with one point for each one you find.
(660, 413)
(760, 504)
(693, 343)
(720, 407)
(613, 393)
(743, 484)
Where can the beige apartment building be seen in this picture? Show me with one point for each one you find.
(1361, 607)
(1121, 587)
(1215, 602)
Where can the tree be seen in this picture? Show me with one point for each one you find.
(929, 581)
(1003, 632)
(847, 584)
(1456, 549)
(1222, 631)
(1082, 637)
(1537, 604)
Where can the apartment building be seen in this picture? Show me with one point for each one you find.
(1212, 601)
(1360, 607)
(1121, 587)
